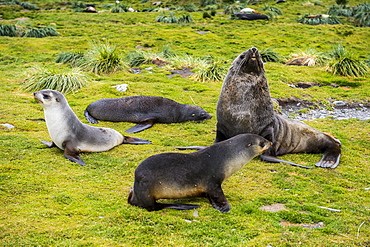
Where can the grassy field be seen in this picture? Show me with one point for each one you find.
(46, 200)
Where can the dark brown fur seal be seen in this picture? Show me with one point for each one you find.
(70, 134)
(198, 174)
(143, 110)
(245, 106)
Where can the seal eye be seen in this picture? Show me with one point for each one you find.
(46, 96)
(242, 56)
(193, 115)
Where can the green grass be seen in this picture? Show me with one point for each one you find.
(46, 200)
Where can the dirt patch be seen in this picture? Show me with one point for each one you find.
(182, 72)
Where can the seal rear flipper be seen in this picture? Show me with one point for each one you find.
(134, 140)
(276, 160)
(191, 148)
(143, 125)
(49, 144)
(329, 161)
(90, 118)
(218, 200)
(178, 206)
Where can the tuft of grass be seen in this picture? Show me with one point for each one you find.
(119, 8)
(337, 10)
(8, 30)
(51, 78)
(172, 18)
(342, 63)
(361, 15)
(39, 32)
(268, 55)
(272, 9)
(211, 71)
(189, 7)
(318, 20)
(73, 58)
(233, 8)
(14, 31)
(102, 58)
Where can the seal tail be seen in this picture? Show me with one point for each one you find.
(276, 160)
(178, 206)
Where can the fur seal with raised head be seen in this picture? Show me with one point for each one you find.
(198, 174)
(70, 134)
(245, 106)
(143, 110)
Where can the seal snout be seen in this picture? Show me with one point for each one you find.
(254, 51)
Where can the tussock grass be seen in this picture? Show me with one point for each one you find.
(210, 71)
(343, 63)
(318, 20)
(268, 55)
(51, 78)
(172, 18)
(102, 58)
(15, 31)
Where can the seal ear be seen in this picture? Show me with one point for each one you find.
(57, 99)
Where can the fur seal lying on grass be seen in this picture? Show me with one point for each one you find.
(198, 174)
(245, 106)
(70, 134)
(143, 110)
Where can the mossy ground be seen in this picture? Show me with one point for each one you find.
(46, 200)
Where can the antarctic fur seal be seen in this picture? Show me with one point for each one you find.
(143, 110)
(198, 174)
(70, 134)
(245, 106)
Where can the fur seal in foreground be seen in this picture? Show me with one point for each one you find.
(143, 110)
(198, 174)
(245, 106)
(70, 134)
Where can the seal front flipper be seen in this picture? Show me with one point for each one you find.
(141, 126)
(276, 160)
(90, 118)
(49, 144)
(134, 140)
(218, 200)
(72, 154)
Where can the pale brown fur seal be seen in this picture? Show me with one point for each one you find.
(143, 110)
(70, 134)
(198, 174)
(245, 106)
